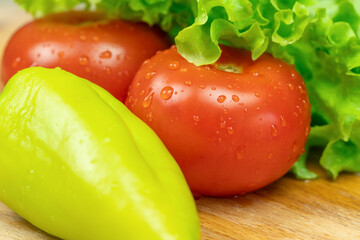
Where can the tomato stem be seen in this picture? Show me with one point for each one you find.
(229, 68)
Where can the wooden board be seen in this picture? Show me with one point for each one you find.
(287, 209)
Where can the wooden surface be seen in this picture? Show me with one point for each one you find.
(287, 209)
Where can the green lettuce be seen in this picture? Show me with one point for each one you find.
(171, 15)
(319, 37)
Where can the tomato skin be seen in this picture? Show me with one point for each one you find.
(106, 52)
(231, 133)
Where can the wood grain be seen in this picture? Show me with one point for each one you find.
(287, 209)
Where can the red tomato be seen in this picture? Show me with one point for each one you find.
(230, 132)
(106, 52)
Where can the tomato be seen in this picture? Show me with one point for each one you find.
(106, 52)
(234, 126)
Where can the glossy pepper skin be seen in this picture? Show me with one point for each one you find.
(79, 165)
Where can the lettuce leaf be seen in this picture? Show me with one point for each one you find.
(39, 8)
(170, 15)
(320, 37)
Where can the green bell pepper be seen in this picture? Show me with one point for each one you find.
(75, 162)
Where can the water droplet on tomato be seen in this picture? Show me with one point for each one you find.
(119, 57)
(229, 86)
(282, 120)
(213, 88)
(261, 133)
(223, 124)
(188, 83)
(257, 94)
(84, 60)
(183, 70)
(255, 74)
(294, 147)
(221, 98)
(202, 86)
(235, 98)
(38, 55)
(174, 65)
(148, 99)
(107, 70)
(305, 103)
(230, 130)
(106, 54)
(60, 54)
(226, 111)
(196, 118)
(150, 116)
(240, 153)
(301, 90)
(149, 75)
(166, 93)
(274, 130)
(135, 101)
(300, 110)
(16, 62)
(307, 131)
(129, 99)
(291, 86)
